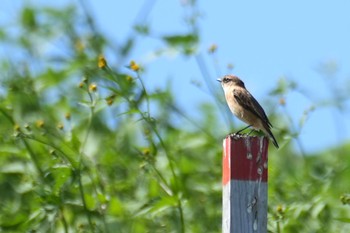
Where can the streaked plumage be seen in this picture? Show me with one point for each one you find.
(244, 106)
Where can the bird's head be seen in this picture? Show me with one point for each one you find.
(231, 81)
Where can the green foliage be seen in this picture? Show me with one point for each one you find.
(309, 194)
(186, 43)
(86, 147)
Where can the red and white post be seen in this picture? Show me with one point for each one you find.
(244, 181)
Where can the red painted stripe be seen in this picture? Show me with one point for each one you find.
(226, 177)
(237, 166)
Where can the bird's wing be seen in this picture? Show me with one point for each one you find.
(251, 104)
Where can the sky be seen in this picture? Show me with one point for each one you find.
(264, 40)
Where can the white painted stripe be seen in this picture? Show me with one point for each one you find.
(244, 207)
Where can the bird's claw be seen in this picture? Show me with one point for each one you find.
(236, 135)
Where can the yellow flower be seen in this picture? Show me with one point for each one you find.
(129, 79)
(93, 87)
(134, 66)
(280, 209)
(110, 99)
(282, 101)
(102, 63)
(17, 128)
(146, 151)
(40, 123)
(83, 82)
(60, 126)
(230, 66)
(213, 48)
(67, 116)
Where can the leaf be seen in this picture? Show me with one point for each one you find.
(142, 29)
(90, 201)
(51, 78)
(28, 18)
(127, 47)
(13, 168)
(346, 220)
(11, 220)
(185, 41)
(8, 149)
(75, 141)
(61, 174)
(282, 87)
(157, 205)
(3, 35)
(115, 207)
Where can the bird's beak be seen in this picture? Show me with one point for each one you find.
(219, 80)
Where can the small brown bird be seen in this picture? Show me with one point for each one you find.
(244, 106)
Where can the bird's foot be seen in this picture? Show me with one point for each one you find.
(236, 135)
(239, 131)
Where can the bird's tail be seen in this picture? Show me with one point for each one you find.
(273, 139)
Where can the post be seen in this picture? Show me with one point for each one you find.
(244, 181)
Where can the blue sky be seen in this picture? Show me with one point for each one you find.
(264, 40)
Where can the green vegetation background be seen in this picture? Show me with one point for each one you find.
(85, 147)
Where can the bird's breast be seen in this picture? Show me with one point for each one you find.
(234, 106)
(240, 112)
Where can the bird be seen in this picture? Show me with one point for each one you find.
(245, 107)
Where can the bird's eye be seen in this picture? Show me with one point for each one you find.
(226, 80)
